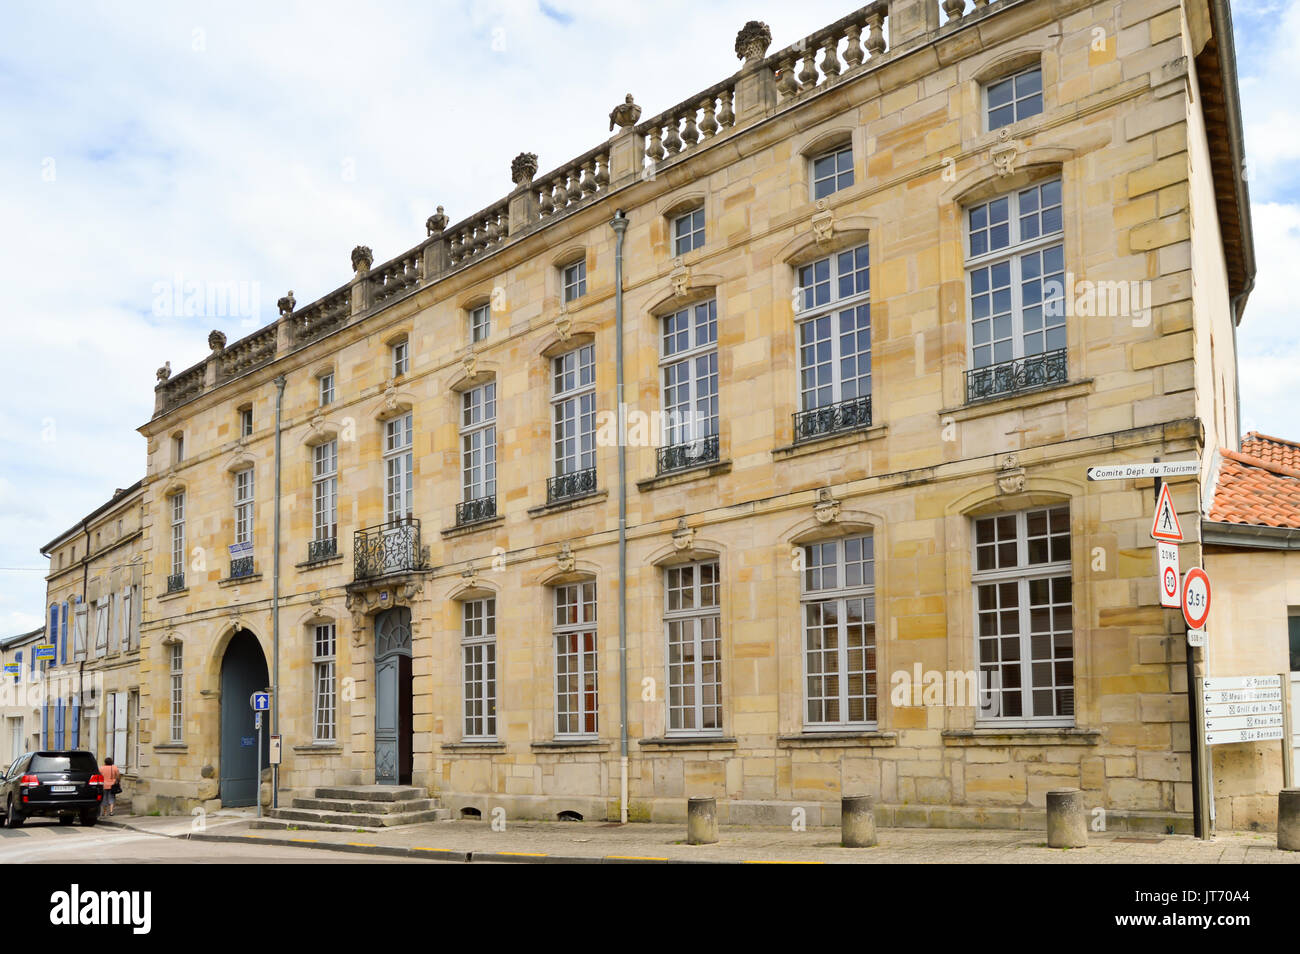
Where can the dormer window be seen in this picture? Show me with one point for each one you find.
(1014, 98)
(575, 280)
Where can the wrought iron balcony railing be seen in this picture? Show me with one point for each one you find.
(1020, 374)
(688, 454)
(322, 549)
(567, 486)
(391, 547)
(472, 511)
(241, 566)
(175, 582)
(831, 418)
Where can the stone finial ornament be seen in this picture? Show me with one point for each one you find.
(362, 259)
(217, 341)
(752, 41)
(625, 114)
(287, 304)
(437, 222)
(523, 168)
(164, 372)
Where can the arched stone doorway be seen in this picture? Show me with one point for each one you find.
(393, 737)
(243, 672)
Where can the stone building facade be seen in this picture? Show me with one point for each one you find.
(94, 607)
(887, 293)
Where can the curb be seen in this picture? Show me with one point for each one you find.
(450, 854)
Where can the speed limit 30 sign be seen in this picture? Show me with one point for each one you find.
(1196, 598)
(1167, 567)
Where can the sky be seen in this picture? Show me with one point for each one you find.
(248, 145)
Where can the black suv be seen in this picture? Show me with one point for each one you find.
(67, 784)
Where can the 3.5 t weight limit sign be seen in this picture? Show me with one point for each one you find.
(1196, 598)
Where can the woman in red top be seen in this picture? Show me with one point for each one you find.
(112, 775)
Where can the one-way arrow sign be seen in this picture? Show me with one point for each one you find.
(1165, 526)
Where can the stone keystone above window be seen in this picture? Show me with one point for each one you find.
(524, 168)
(752, 41)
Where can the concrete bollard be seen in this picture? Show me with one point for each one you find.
(1067, 819)
(702, 821)
(857, 821)
(1288, 819)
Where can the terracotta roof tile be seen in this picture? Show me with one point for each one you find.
(1259, 485)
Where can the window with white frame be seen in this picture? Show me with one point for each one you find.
(693, 637)
(326, 700)
(478, 435)
(245, 422)
(117, 624)
(178, 535)
(574, 401)
(399, 463)
(832, 171)
(576, 701)
(400, 353)
(1015, 267)
(80, 621)
(1023, 616)
(688, 231)
(833, 325)
(325, 388)
(324, 484)
(244, 506)
(480, 322)
(178, 455)
(839, 633)
(1014, 98)
(575, 280)
(479, 657)
(689, 363)
(177, 693)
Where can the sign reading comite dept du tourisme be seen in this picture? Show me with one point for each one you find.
(1176, 468)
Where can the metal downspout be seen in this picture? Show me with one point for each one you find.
(619, 225)
(275, 605)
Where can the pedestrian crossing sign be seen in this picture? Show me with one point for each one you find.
(1165, 526)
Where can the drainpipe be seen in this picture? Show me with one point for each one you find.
(275, 606)
(619, 225)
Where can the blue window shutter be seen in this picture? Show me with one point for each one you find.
(64, 632)
(76, 725)
(45, 726)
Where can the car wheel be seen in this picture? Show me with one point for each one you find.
(13, 817)
(67, 819)
(89, 817)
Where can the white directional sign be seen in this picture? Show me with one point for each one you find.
(1165, 526)
(1167, 562)
(1242, 709)
(1180, 468)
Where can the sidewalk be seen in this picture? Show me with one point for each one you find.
(597, 842)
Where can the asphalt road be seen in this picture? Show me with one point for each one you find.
(47, 842)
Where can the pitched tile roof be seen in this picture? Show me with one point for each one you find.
(1260, 484)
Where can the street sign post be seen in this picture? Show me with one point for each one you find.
(1173, 468)
(1196, 598)
(1167, 562)
(1165, 526)
(259, 702)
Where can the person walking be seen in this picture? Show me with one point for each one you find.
(112, 785)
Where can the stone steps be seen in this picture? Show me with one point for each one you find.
(357, 808)
(360, 819)
(367, 806)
